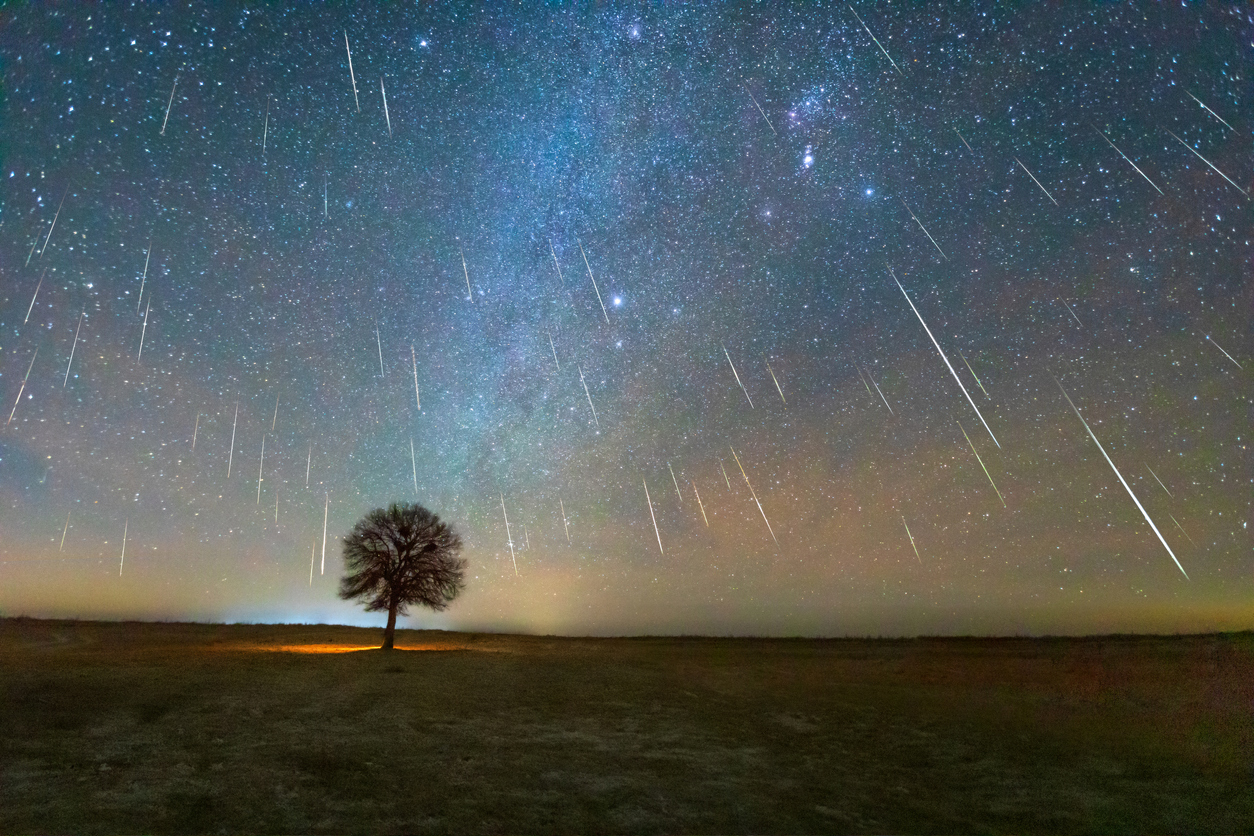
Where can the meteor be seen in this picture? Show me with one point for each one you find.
(144, 278)
(777, 387)
(379, 341)
(1129, 162)
(881, 391)
(877, 43)
(981, 461)
(1226, 354)
(67, 528)
(725, 479)
(144, 330)
(195, 431)
(325, 509)
(651, 516)
(964, 140)
(261, 463)
(466, 272)
(676, 481)
(326, 211)
(1037, 182)
(863, 379)
(275, 420)
(946, 359)
(74, 346)
(733, 368)
(589, 395)
(169, 104)
(701, 504)
(1073, 316)
(231, 456)
(414, 359)
(1139, 506)
(911, 536)
(36, 296)
(1159, 481)
(508, 537)
(760, 110)
(555, 264)
(265, 130)
(1212, 113)
(1178, 139)
(1182, 531)
(554, 350)
(122, 560)
(384, 91)
(565, 524)
(976, 376)
(594, 283)
(54, 221)
(313, 551)
(413, 462)
(352, 77)
(22, 388)
(308, 461)
(751, 493)
(925, 232)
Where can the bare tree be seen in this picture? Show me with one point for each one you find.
(399, 556)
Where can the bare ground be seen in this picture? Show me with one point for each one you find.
(178, 728)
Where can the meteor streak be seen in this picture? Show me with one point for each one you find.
(308, 462)
(1159, 481)
(413, 462)
(554, 349)
(1212, 113)
(54, 221)
(195, 431)
(466, 272)
(1226, 354)
(379, 341)
(509, 538)
(1129, 162)
(911, 536)
(676, 481)
(976, 376)
(725, 479)
(144, 278)
(384, 91)
(265, 130)
(353, 78)
(74, 346)
(877, 43)
(313, 552)
(414, 359)
(1073, 316)
(651, 516)
(22, 388)
(760, 110)
(1182, 531)
(64, 530)
(1178, 139)
(555, 264)
(1139, 506)
(964, 140)
(275, 420)
(946, 359)
(701, 504)
(1037, 182)
(594, 283)
(589, 395)
(751, 493)
(565, 524)
(261, 463)
(925, 232)
(122, 560)
(231, 456)
(144, 331)
(981, 461)
(881, 391)
(169, 104)
(777, 387)
(733, 368)
(325, 510)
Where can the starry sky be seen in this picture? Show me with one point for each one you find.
(640, 264)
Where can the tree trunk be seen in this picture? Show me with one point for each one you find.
(391, 628)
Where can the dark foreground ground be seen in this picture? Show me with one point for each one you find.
(112, 728)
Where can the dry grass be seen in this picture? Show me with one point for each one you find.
(108, 728)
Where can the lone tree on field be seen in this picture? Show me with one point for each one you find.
(402, 555)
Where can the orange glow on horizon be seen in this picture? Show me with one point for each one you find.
(328, 648)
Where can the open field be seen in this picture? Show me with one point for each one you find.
(171, 728)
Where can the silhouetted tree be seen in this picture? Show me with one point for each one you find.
(399, 556)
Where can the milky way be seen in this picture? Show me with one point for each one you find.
(578, 252)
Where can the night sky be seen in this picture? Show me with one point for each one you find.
(739, 182)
